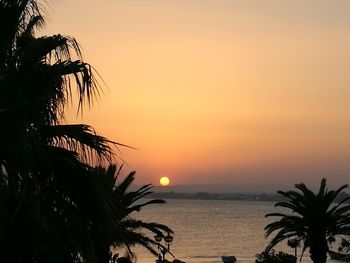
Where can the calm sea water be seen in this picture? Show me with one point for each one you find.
(207, 229)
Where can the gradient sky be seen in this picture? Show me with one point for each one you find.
(219, 91)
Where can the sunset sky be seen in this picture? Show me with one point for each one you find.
(219, 91)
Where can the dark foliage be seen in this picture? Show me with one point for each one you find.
(314, 219)
(272, 257)
(51, 201)
(126, 230)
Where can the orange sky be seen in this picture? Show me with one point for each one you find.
(210, 91)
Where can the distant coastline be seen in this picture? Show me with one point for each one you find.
(224, 196)
(218, 196)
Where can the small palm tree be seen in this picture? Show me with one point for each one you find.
(315, 217)
(126, 230)
(294, 243)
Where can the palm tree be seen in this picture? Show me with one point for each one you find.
(126, 230)
(47, 176)
(314, 218)
(294, 243)
(46, 180)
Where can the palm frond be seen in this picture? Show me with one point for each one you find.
(80, 138)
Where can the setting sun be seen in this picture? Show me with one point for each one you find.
(164, 181)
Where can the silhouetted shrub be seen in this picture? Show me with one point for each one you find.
(272, 257)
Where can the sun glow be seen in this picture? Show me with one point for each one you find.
(164, 181)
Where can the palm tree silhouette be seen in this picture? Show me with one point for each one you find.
(53, 205)
(126, 230)
(294, 243)
(313, 220)
(48, 191)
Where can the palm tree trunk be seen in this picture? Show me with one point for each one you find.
(318, 250)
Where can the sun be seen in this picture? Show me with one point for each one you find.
(164, 181)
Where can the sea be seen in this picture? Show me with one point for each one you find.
(205, 230)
